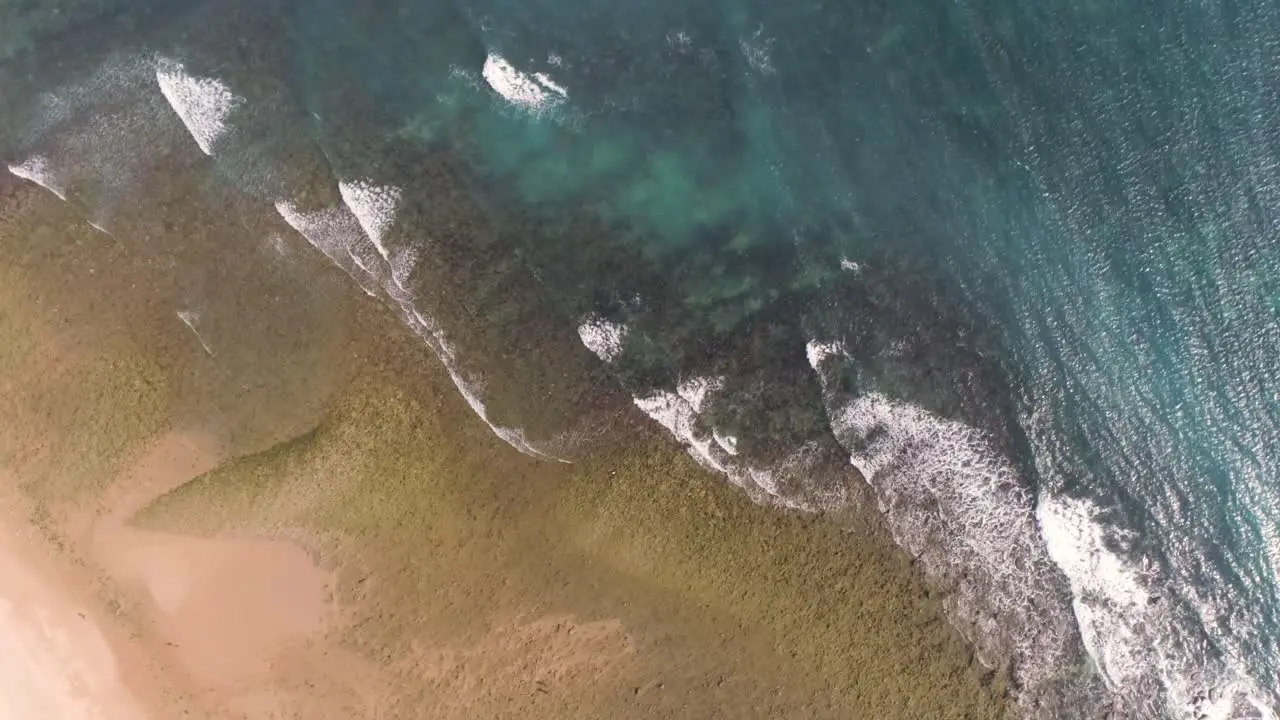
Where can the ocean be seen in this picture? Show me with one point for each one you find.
(1006, 270)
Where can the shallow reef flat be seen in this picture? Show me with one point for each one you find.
(468, 580)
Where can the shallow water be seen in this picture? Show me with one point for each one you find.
(1013, 263)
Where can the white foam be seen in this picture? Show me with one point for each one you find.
(326, 229)
(204, 104)
(62, 104)
(675, 412)
(545, 81)
(679, 413)
(375, 208)
(190, 318)
(335, 232)
(360, 263)
(680, 40)
(530, 92)
(850, 266)
(603, 337)
(98, 136)
(728, 443)
(979, 499)
(403, 263)
(952, 502)
(1099, 579)
(757, 50)
(1132, 636)
(818, 352)
(39, 170)
(695, 390)
(339, 235)
(471, 390)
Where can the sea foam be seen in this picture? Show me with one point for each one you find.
(190, 318)
(341, 236)
(375, 208)
(469, 386)
(336, 232)
(603, 337)
(97, 137)
(39, 170)
(1136, 639)
(204, 104)
(536, 92)
(952, 502)
(679, 412)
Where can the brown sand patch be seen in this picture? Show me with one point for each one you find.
(237, 615)
(228, 607)
(222, 628)
(519, 660)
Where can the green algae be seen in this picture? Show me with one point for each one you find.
(81, 401)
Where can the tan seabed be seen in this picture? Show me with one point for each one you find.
(226, 606)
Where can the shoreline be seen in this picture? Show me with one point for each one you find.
(633, 583)
(411, 501)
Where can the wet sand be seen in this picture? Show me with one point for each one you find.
(361, 545)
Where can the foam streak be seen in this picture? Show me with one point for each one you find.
(203, 104)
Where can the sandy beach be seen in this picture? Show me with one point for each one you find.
(55, 658)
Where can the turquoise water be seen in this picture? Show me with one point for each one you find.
(1014, 263)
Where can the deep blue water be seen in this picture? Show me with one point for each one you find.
(1014, 262)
